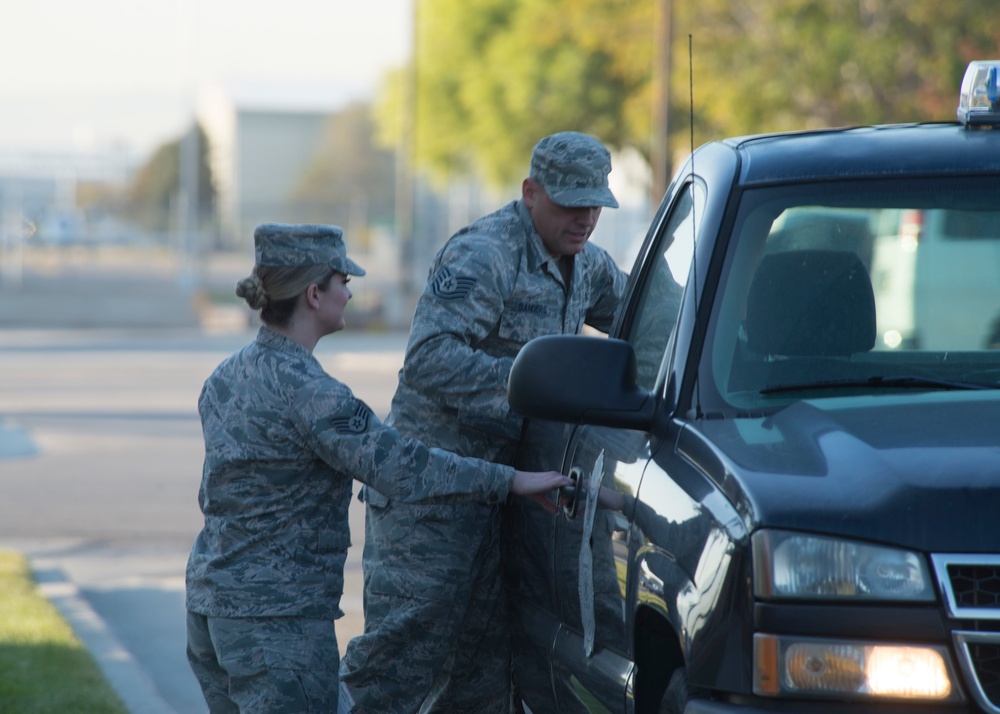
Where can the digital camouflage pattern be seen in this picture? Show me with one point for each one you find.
(432, 572)
(303, 244)
(283, 442)
(491, 289)
(573, 168)
(278, 665)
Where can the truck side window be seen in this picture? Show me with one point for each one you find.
(659, 297)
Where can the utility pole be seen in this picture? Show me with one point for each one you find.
(406, 160)
(660, 146)
(406, 290)
(188, 172)
(187, 207)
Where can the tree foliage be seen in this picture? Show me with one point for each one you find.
(490, 77)
(350, 180)
(152, 194)
(761, 65)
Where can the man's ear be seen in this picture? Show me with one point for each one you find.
(529, 192)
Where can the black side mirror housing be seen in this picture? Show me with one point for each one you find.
(580, 380)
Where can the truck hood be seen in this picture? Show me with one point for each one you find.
(917, 470)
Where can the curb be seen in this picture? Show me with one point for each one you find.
(130, 682)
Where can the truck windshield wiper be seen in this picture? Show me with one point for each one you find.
(901, 382)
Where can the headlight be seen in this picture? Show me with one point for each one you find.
(813, 667)
(789, 565)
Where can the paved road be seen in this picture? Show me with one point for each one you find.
(100, 459)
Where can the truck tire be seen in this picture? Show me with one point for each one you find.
(678, 693)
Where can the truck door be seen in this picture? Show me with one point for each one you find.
(592, 653)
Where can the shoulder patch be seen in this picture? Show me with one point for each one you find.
(357, 423)
(448, 286)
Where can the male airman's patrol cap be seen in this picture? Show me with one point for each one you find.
(573, 168)
(295, 244)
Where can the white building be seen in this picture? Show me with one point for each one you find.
(261, 140)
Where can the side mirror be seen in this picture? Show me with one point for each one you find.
(580, 380)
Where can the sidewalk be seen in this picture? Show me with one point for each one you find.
(110, 287)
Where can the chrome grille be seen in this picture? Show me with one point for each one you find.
(970, 584)
(986, 661)
(975, 585)
(979, 658)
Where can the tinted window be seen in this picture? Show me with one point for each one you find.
(659, 299)
(971, 225)
(849, 282)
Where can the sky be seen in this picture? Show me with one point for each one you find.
(90, 75)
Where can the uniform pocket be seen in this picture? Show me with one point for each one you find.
(425, 552)
(374, 498)
(532, 319)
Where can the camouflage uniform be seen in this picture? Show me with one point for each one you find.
(283, 442)
(436, 632)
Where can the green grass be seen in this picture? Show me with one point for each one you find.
(44, 668)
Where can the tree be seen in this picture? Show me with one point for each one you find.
(761, 65)
(151, 196)
(350, 181)
(490, 77)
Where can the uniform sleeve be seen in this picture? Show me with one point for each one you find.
(460, 306)
(607, 286)
(346, 434)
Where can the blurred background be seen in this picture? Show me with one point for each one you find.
(141, 141)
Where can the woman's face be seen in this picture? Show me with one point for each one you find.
(333, 302)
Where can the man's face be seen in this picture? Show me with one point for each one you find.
(564, 231)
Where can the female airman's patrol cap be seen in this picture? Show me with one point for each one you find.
(299, 244)
(573, 168)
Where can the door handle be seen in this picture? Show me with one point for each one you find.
(570, 495)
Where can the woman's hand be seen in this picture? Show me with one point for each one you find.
(537, 484)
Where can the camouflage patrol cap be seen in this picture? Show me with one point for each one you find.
(295, 244)
(573, 168)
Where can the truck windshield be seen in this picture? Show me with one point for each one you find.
(867, 286)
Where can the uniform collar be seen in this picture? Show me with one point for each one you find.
(538, 255)
(266, 337)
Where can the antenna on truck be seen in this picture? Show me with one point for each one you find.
(694, 221)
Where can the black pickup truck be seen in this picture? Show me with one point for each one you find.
(787, 452)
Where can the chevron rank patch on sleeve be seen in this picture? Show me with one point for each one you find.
(448, 286)
(356, 423)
